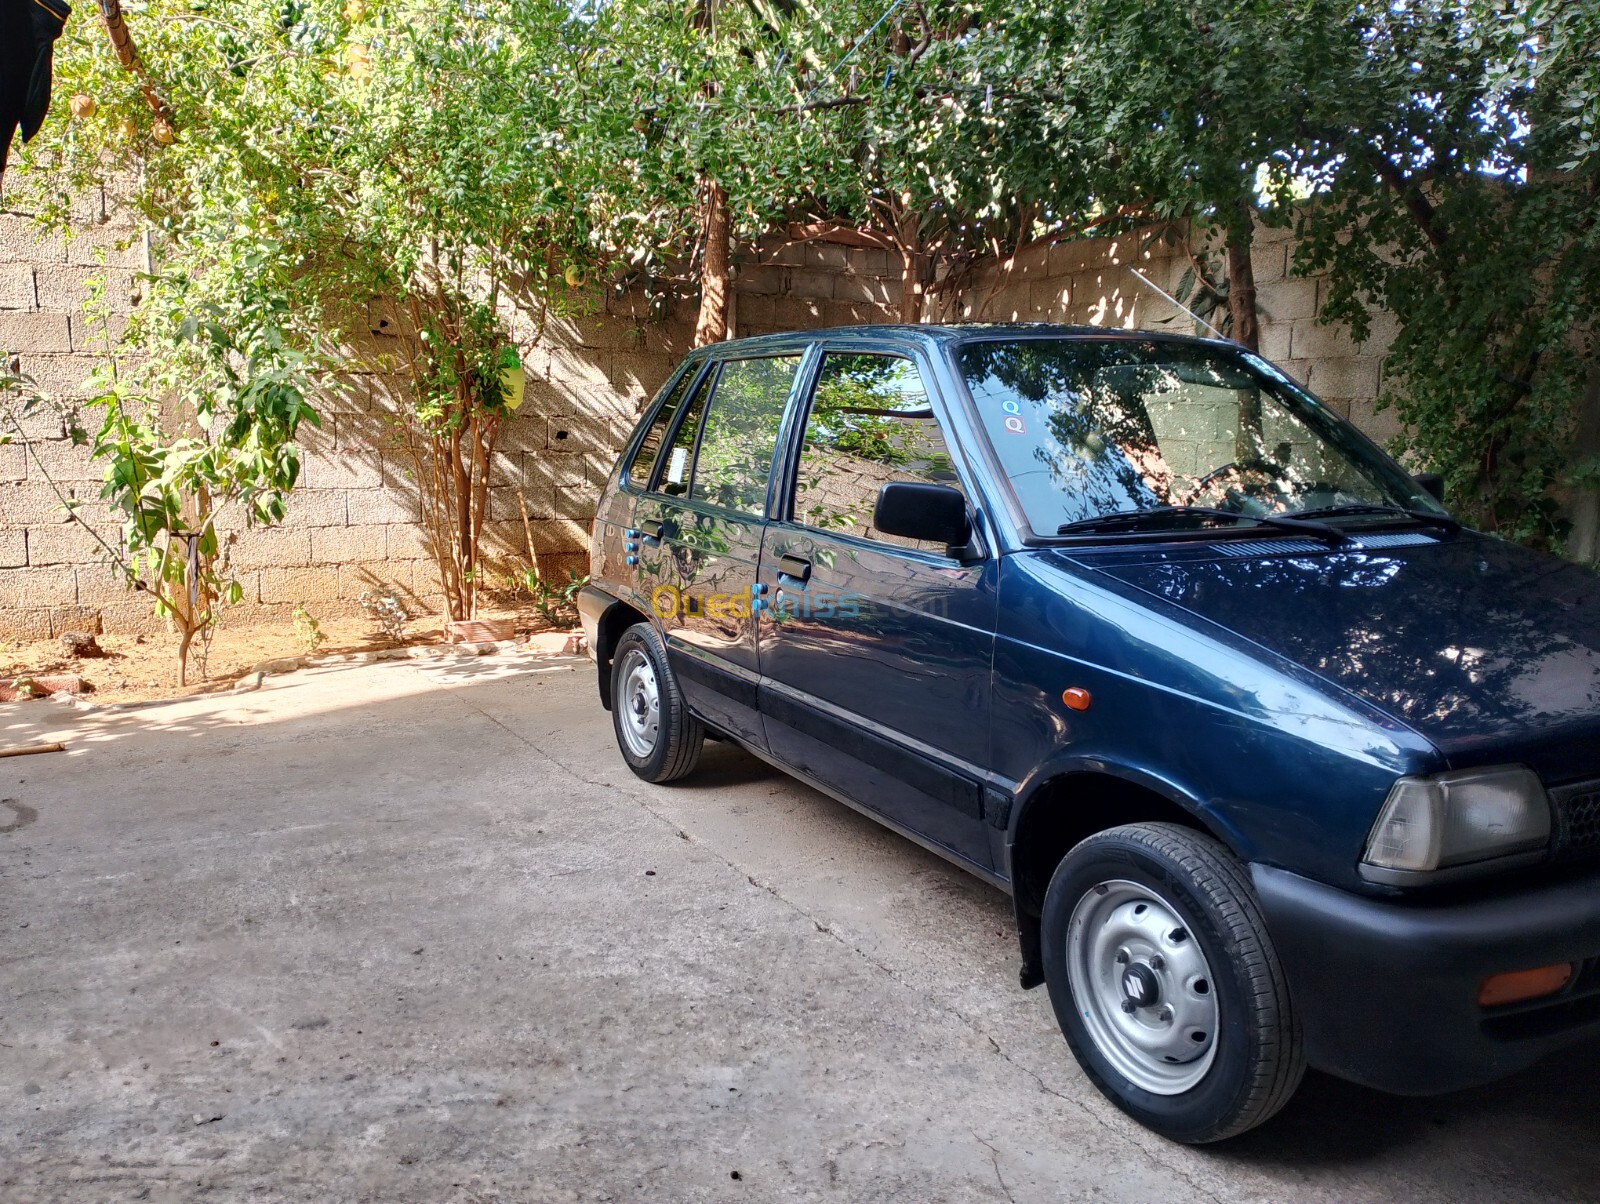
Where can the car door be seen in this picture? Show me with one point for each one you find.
(699, 534)
(875, 652)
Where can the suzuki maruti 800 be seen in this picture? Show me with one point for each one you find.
(1279, 764)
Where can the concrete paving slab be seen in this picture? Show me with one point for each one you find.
(411, 931)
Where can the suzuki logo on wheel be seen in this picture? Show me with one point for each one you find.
(1136, 988)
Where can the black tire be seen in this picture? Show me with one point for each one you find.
(1257, 1057)
(679, 736)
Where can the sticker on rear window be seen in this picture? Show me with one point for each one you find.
(676, 465)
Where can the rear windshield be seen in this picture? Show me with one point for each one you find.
(1084, 428)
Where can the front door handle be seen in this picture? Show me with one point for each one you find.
(653, 530)
(793, 570)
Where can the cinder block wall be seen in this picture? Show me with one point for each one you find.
(353, 523)
(1092, 282)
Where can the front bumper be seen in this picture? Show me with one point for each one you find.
(1387, 993)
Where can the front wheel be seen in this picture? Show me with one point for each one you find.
(1166, 984)
(660, 740)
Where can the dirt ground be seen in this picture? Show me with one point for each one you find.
(137, 668)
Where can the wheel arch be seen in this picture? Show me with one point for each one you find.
(1069, 805)
(615, 620)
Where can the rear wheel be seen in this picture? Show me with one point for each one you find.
(1166, 984)
(659, 739)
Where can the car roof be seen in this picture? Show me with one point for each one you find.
(929, 335)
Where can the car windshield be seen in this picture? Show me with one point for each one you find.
(1087, 428)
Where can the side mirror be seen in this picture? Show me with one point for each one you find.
(914, 510)
(1432, 483)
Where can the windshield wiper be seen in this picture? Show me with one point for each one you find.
(1118, 519)
(1427, 517)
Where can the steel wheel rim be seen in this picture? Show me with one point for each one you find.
(1143, 987)
(638, 703)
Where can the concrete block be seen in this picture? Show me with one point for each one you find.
(65, 287)
(21, 241)
(1269, 262)
(1050, 298)
(61, 462)
(581, 367)
(331, 470)
(781, 251)
(24, 625)
(1380, 425)
(13, 463)
(829, 256)
(404, 541)
(1299, 370)
(383, 505)
(13, 548)
(37, 588)
(394, 576)
(644, 371)
(1354, 377)
(98, 335)
(362, 435)
(870, 290)
(101, 585)
(761, 279)
(299, 585)
(578, 433)
(16, 286)
(1275, 341)
(796, 313)
(272, 547)
(1286, 300)
(62, 377)
(88, 619)
(339, 545)
(755, 314)
(68, 543)
(1310, 340)
(316, 508)
(34, 333)
(812, 283)
(110, 245)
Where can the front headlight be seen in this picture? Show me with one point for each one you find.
(1456, 819)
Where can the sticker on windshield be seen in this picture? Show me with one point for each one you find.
(675, 465)
(1013, 420)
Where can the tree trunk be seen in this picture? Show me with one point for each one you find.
(1242, 281)
(712, 324)
(910, 284)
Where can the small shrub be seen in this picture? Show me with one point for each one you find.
(384, 609)
(307, 629)
(557, 603)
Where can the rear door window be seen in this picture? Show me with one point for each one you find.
(644, 459)
(740, 433)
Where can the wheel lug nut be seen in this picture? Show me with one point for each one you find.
(1128, 1006)
(1157, 962)
(1122, 957)
(1166, 1015)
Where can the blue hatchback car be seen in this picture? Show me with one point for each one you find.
(1279, 764)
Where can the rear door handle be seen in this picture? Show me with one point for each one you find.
(793, 570)
(653, 529)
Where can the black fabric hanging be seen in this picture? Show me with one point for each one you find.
(28, 31)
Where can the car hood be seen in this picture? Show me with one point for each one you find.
(1487, 649)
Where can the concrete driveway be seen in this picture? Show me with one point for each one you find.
(413, 932)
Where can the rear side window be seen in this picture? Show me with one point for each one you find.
(870, 423)
(741, 432)
(650, 446)
(677, 464)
